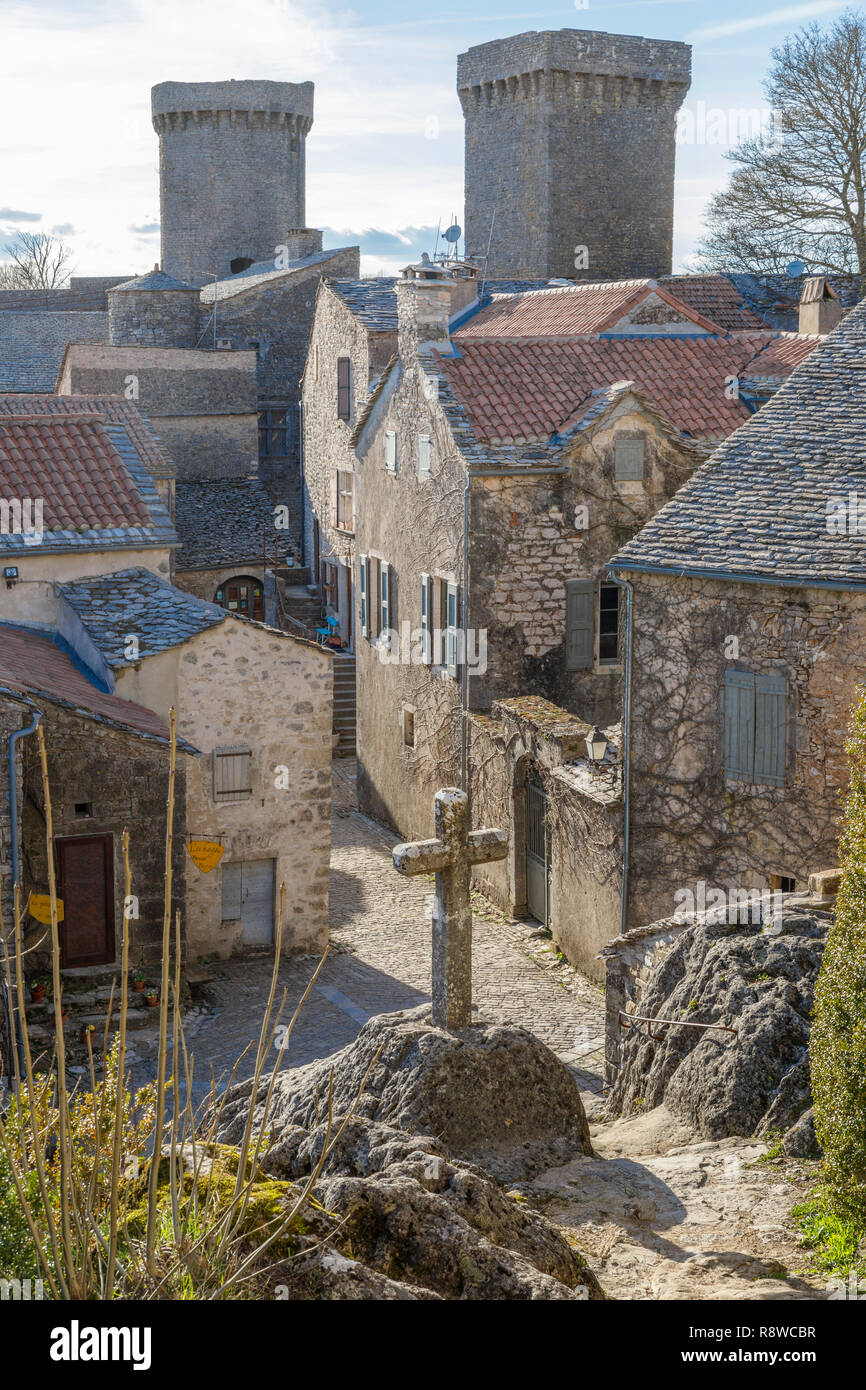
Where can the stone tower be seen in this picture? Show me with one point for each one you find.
(570, 138)
(231, 171)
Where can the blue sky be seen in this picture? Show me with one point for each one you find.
(385, 155)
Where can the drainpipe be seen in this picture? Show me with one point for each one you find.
(301, 477)
(626, 746)
(464, 671)
(14, 1001)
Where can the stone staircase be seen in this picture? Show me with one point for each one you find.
(85, 1001)
(345, 719)
(301, 605)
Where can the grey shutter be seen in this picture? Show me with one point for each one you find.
(579, 624)
(426, 605)
(231, 773)
(384, 596)
(232, 886)
(364, 576)
(452, 656)
(628, 460)
(739, 751)
(771, 699)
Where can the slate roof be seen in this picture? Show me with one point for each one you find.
(153, 280)
(529, 390)
(758, 508)
(112, 606)
(225, 521)
(32, 344)
(776, 298)
(39, 666)
(373, 301)
(565, 311)
(86, 473)
(116, 410)
(260, 272)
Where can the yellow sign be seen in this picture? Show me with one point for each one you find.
(205, 854)
(39, 906)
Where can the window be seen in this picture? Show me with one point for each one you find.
(364, 593)
(384, 596)
(408, 721)
(755, 736)
(391, 450)
(452, 655)
(608, 623)
(579, 626)
(427, 618)
(781, 883)
(344, 388)
(425, 455)
(232, 780)
(83, 809)
(276, 432)
(345, 500)
(628, 457)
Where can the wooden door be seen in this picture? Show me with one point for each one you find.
(244, 595)
(86, 885)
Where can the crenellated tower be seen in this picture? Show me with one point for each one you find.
(570, 142)
(231, 171)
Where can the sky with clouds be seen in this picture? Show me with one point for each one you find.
(78, 153)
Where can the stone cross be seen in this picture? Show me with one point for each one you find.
(450, 857)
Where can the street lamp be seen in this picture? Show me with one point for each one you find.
(596, 744)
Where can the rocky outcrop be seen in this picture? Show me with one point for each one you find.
(757, 980)
(416, 1215)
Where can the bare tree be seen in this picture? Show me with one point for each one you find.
(37, 261)
(799, 191)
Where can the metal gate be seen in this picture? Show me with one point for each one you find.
(537, 852)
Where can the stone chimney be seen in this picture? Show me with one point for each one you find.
(428, 297)
(820, 306)
(303, 241)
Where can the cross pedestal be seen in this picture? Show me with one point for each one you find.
(450, 857)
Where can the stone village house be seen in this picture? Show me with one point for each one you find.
(748, 617)
(546, 427)
(92, 626)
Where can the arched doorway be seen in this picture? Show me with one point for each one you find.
(243, 595)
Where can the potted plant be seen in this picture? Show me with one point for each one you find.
(152, 998)
(138, 981)
(37, 990)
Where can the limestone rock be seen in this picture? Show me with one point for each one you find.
(760, 982)
(493, 1094)
(801, 1141)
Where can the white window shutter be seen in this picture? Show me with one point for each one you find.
(384, 596)
(364, 588)
(424, 455)
(335, 488)
(391, 450)
(426, 619)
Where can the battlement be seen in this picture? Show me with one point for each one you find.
(256, 104)
(582, 53)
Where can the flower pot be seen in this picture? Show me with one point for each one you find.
(152, 1001)
(37, 994)
(138, 986)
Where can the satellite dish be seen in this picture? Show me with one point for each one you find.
(453, 233)
(795, 269)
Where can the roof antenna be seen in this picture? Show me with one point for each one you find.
(487, 256)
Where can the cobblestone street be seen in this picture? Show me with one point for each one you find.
(380, 962)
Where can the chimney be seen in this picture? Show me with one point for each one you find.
(820, 306)
(428, 297)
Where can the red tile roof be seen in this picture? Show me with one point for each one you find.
(573, 309)
(36, 666)
(71, 464)
(115, 409)
(783, 354)
(524, 391)
(715, 298)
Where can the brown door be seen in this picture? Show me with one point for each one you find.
(244, 595)
(86, 874)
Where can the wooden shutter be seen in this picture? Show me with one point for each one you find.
(424, 454)
(232, 773)
(426, 623)
(384, 596)
(335, 494)
(628, 460)
(579, 624)
(391, 450)
(739, 750)
(451, 656)
(364, 591)
(344, 388)
(232, 892)
(771, 700)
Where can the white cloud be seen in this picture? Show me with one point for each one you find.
(790, 14)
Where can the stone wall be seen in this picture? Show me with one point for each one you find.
(231, 170)
(153, 318)
(629, 961)
(570, 141)
(241, 684)
(689, 822)
(124, 781)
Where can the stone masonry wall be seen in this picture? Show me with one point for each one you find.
(153, 318)
(570, 140)
(690, 823)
